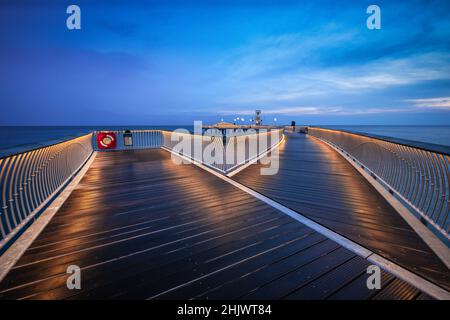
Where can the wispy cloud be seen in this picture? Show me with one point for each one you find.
(389, 72)
(432, 103)
(304, 110)
(303, 59)
(283, 68)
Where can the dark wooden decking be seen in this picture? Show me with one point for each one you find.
(141, 227)
(317, 182)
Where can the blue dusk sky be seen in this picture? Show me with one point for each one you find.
(172, 62)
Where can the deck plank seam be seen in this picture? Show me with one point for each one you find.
(423, 284)
(266, 220)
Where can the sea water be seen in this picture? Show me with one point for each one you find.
(15, 139)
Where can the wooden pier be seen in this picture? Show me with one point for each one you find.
(316, 181)
(141, 227)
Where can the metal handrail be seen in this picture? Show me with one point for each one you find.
(143, 139)
(29, 180)
(234, 153)
(418, 176)
(202, 140)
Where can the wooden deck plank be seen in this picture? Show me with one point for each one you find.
(203, 289)
(336, 278)
(239, 287)
(317, 182)
(356, 290)
(156, 245)
(285, 285)
(141, 227)
(397, 290)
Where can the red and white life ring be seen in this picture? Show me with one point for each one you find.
(106, 140)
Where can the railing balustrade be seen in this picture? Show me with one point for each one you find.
(30, 180)
(213, 149)
(419, 177)
(225, 152)
(141, 139)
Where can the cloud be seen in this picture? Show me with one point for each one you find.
(288, 68)
(432, 103)
(392, 72)
(315, 58)
(304, 110)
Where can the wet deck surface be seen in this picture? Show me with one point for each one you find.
(317, 182)
(141, 227)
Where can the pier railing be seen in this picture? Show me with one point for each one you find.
(30, 180)
(224, 152)
(215, 149)
(195, 146)
(141, 139)
(417, 176)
